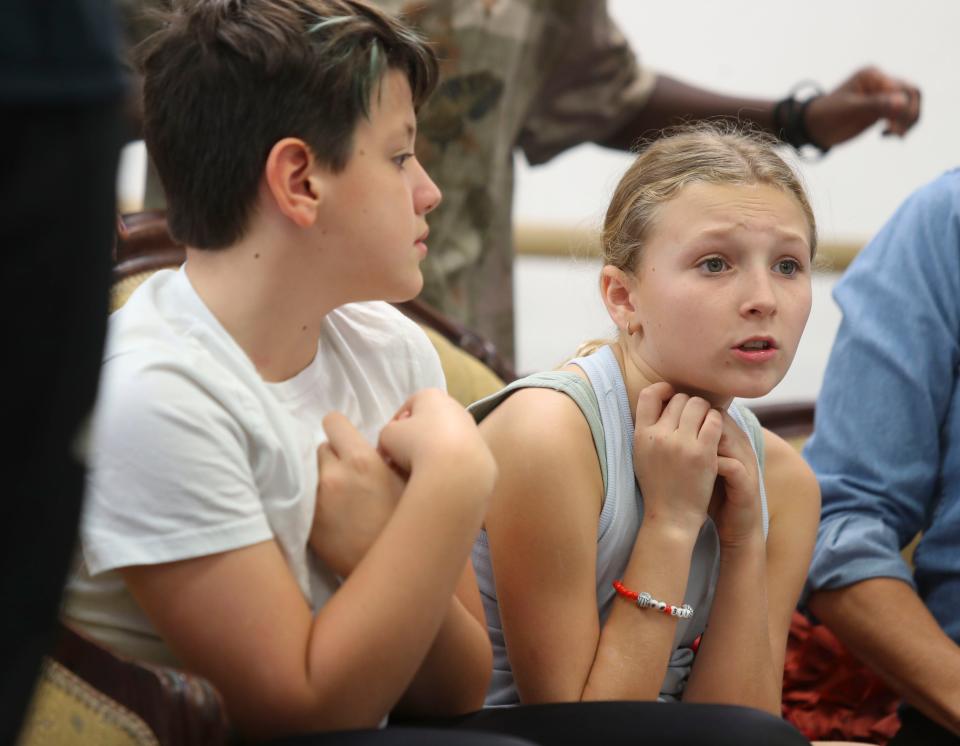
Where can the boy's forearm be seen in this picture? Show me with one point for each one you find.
(456, 671)
(373, 635)
(739, 620)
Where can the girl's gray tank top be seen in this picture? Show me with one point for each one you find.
(603, 402)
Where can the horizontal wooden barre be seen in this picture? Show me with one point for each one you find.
(583, 243)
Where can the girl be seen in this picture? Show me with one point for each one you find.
(630, 478)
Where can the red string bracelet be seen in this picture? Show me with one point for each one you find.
(646, 601)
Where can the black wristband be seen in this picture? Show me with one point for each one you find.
(790, 125)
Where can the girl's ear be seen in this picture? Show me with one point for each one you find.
(294, 181)
(618, 289)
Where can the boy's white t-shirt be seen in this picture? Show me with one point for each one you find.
(193, 454)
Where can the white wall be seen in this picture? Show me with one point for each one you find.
(756, 49)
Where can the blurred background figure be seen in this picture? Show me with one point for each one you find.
(543, 76)
(61, 91)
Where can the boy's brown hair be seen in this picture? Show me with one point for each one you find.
(224, 80)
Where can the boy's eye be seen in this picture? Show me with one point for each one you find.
(402, 158)
(713, 265)
(788, 267)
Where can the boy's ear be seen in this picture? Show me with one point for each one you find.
(617, 288)
(292, 178)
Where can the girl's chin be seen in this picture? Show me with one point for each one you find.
(754, 391)
(722, 399)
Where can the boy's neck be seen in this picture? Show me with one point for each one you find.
(268, 301)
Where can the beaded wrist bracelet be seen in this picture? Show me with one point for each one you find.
(646, 601)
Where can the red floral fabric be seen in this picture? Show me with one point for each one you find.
(828, 694)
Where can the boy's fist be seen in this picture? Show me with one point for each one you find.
(357, 492)
(434, 433)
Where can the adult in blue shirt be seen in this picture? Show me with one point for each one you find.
(886, 451)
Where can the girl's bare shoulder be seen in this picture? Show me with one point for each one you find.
(540, 433)
(792, 487)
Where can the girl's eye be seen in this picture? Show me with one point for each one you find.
(402, 158)
(788, 267)
(713, 265)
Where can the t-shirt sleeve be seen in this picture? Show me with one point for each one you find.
(170, 476)
(595, 87)
(427, 370)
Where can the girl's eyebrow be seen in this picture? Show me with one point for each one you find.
(713, 234)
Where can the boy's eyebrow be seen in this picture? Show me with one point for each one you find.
(410, 130)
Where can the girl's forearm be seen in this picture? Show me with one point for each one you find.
(734, 663)
(635, 644)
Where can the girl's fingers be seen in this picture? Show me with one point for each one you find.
(692, 416)
(650, 403)
(734, 441)
(711, 430)
(670, 419)
(728, 467)
(734, 473)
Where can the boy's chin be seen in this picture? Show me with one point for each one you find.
(407, 291)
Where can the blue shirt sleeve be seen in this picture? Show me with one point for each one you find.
(878, 444)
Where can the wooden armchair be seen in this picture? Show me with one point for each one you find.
(86, 695)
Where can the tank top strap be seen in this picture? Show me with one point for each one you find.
(749, 423)
(565, 382)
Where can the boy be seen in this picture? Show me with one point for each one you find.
(315, 587)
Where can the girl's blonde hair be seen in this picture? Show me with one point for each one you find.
(708, 153)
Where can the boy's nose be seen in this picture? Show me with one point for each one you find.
(426, 194)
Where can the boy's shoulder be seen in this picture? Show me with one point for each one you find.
(378, 321)
(377, 335)
(166, 351)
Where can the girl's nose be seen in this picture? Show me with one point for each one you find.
(759, 299)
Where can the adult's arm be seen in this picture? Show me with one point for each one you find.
(596, 90)
(883, 622)
(868, 96)
(885, 420)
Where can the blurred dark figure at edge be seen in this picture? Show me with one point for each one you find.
(61, 93)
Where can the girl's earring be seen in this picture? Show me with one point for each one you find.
(633, 328)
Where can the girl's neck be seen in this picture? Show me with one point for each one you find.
(637, 375)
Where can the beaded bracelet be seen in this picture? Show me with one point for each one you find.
(646, 601)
